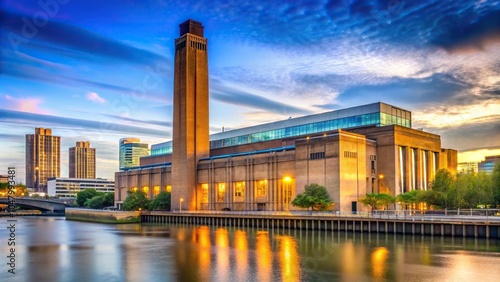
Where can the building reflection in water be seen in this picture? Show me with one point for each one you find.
(222, 244)
(203, 239)
(289, 258)
(379, 263)
(264, 256)
(241, 246)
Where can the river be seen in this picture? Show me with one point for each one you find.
(54, 249)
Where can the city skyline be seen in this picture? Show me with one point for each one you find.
(102, 72)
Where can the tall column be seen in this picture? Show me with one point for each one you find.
(190, 121)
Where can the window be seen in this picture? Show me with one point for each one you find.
(239, 190)
(168, 188)
(348, 154)
(204, 193)
(156, 190)
(221, 191)
(261, 188)
(318, 155)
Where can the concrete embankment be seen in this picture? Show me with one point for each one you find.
(424, 226)
(103, 216)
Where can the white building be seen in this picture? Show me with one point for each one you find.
(68, 187)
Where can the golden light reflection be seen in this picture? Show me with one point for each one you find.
(289, 258)
(203, 237)
(241, 246)
(264, 256)
(222, 243)
(349, 261)
(379, 262)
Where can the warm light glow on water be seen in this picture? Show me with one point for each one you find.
(265, 256)
(289, 258)
(379, 263)
(203, 236)
(54, 249)
(241, 247)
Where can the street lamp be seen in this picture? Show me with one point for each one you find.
(287, 180)
(180, 204)
(380, 178)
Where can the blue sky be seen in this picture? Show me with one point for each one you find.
(102, 70)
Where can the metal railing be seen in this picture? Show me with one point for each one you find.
(461, 215)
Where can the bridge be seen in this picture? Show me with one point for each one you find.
(45, 206)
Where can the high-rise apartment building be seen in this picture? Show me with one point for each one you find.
(131, 149)
(82, 160)
(43, 158)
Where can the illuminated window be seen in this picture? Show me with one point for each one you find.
(156, 190)
(145, 189)
(204, 193)
(168, 188)
(221, 191)
(134, 189)
(261, 188)
(239, 190)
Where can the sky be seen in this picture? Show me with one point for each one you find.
(99, 71)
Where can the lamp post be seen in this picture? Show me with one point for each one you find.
(380, 178)
(180, 204)
(287, 187)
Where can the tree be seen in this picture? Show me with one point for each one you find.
(441, 185)
(376, 201)
(315, 197)
(408, 198)
(161, 202)
(100, 201)
(83, 196)
(136, 200)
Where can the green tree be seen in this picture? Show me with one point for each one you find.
(136, 200)
(100, 201)
(83, 196)
(495, 184)
(441, 185)
(315, 197)
(161, 202)
(408, 198)
(376, 201)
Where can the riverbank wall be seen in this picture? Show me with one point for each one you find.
(411, 226)
(103, 216)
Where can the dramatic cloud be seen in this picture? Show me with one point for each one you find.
(16, 117)
(21, 31)
(475, 36)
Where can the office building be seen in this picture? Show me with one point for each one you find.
(352, 152)
(131, 149)
(43, 158)
(82, 160)
(468, 167)
(488, 164)
(68, 187)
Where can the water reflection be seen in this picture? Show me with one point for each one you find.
(289, 258)
(148, 252)
(265, 256)
(379, 263)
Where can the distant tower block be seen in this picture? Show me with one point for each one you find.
(190, 140)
